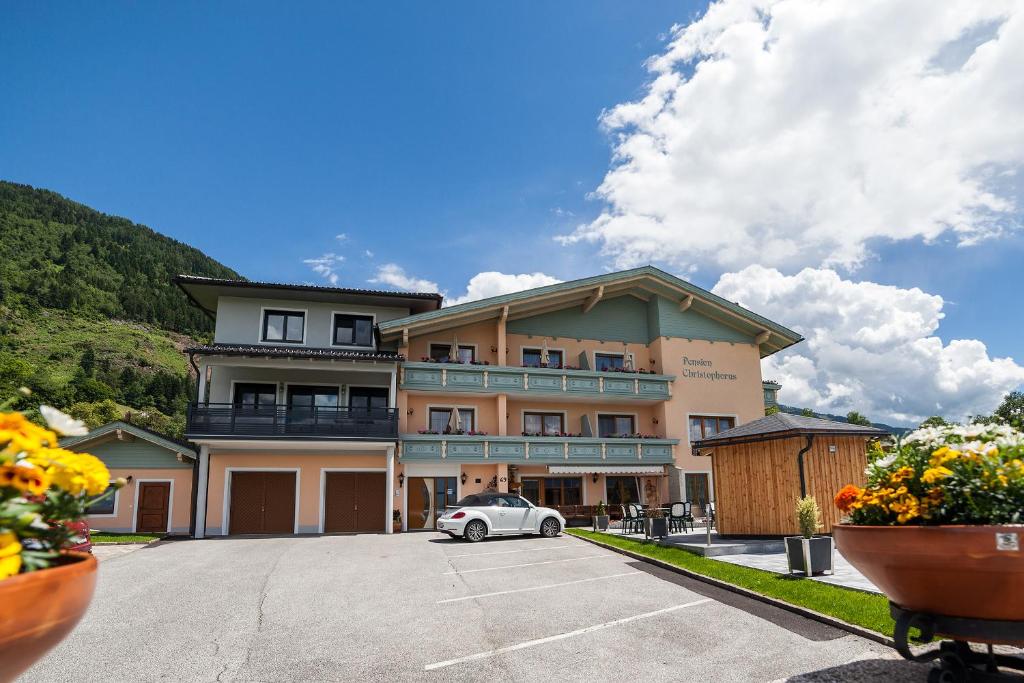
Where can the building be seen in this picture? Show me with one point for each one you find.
(158, 496)
(763, 467)
(771, 393)
(323, 409)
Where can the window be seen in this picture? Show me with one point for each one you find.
(701, 426)
(621, 490)
(313, 397)
(440, 353)
(353, 330)
(609, 361)
(367, 397)
(105, 506)
(255, 395)
(553, 490)
(546, 424)
(531, 358)
(615, 425)
(284, 326)
(440, 418)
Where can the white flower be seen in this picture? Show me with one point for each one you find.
(64, 425)
(883, 463)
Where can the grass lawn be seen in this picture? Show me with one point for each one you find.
(852, 606)
(100, 537)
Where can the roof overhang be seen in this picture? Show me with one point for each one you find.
(204, 292)
(642, 283)
(118, 430)
(707, 445)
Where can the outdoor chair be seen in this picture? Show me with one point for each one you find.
(631, 522)
(680, 516)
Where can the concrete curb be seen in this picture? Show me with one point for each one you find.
(795, 609)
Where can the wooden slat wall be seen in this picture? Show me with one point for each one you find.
(757, 484)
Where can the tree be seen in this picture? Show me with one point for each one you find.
(96, 413)
(771, 410)
(88, 361)
(855, 418)
(1011, 410)
(807, 412)
(934, 421)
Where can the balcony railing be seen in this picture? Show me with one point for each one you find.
(541, 450)
(458, 377)
(283, 421)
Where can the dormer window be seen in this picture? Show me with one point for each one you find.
(286, 327)
(353, 330)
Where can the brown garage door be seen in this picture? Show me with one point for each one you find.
(262, 503)
(354, 502)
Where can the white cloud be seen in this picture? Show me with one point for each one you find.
(368, 254)
(795, 132)
(394, 275)
(341, 236)
(492, 283)
(870, 347)
(326, 266)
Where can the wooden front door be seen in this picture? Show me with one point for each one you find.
(262, 503)
(154, 507)
(354, 502)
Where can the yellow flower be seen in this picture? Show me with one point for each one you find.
(74, 472)
(933, 474)
(10, 554)
(25, 477)
(18, 434)
(901, 474)
(944, 455)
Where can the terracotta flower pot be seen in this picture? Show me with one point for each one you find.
(38, 609)
(960, 571)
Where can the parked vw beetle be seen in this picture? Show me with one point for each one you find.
(480, 515)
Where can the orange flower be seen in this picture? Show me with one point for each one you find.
(846, 497)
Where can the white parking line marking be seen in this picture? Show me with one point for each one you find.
(562, 636)
(528, 564)
(521, 550)
(536, 588)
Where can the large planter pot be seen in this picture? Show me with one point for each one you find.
(38, 609)
(810, 555)
(960, 571)
(656, 527)
(601, 522)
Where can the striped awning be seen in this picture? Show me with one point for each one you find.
(606, 469)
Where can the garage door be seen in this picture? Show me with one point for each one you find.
(354, 502)
(262, 503)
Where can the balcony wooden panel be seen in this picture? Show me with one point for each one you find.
(541, 382)
(539, 450)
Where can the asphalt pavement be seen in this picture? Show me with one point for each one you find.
(423, 607)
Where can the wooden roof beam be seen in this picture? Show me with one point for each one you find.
(686, 303)
(593, 299)
(762, 337)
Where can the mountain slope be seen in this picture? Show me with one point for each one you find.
(89, 318)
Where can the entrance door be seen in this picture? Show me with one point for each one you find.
(354, 502)
(262, 503)
(154, 506)
(698, 491)
(428, 499)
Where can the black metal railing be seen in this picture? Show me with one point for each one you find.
(228, 419)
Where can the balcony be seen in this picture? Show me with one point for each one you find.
(540, 450)
(227, 420)
(541, 382)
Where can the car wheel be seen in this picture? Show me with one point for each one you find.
(550, 527)
(475, 531)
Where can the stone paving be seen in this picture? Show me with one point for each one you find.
(109, 551)
(845, 575)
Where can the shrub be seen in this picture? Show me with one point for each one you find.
(808, 516)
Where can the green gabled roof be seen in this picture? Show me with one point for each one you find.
(673, 282)
(135, 430)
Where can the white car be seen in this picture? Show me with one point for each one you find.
(480, 515)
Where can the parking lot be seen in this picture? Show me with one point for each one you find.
(425, 607)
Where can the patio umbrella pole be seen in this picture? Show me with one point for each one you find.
(707, 524)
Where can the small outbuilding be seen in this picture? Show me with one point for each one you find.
(762, 467)
(159, 469)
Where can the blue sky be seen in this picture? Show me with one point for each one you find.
(457, 138)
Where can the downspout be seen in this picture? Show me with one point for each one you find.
(195, 497)
(800, 465)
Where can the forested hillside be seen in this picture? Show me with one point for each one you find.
(89, 318)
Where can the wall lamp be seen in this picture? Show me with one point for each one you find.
(401, 479)
(463, 478)
(595, 477)
(410, 411)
